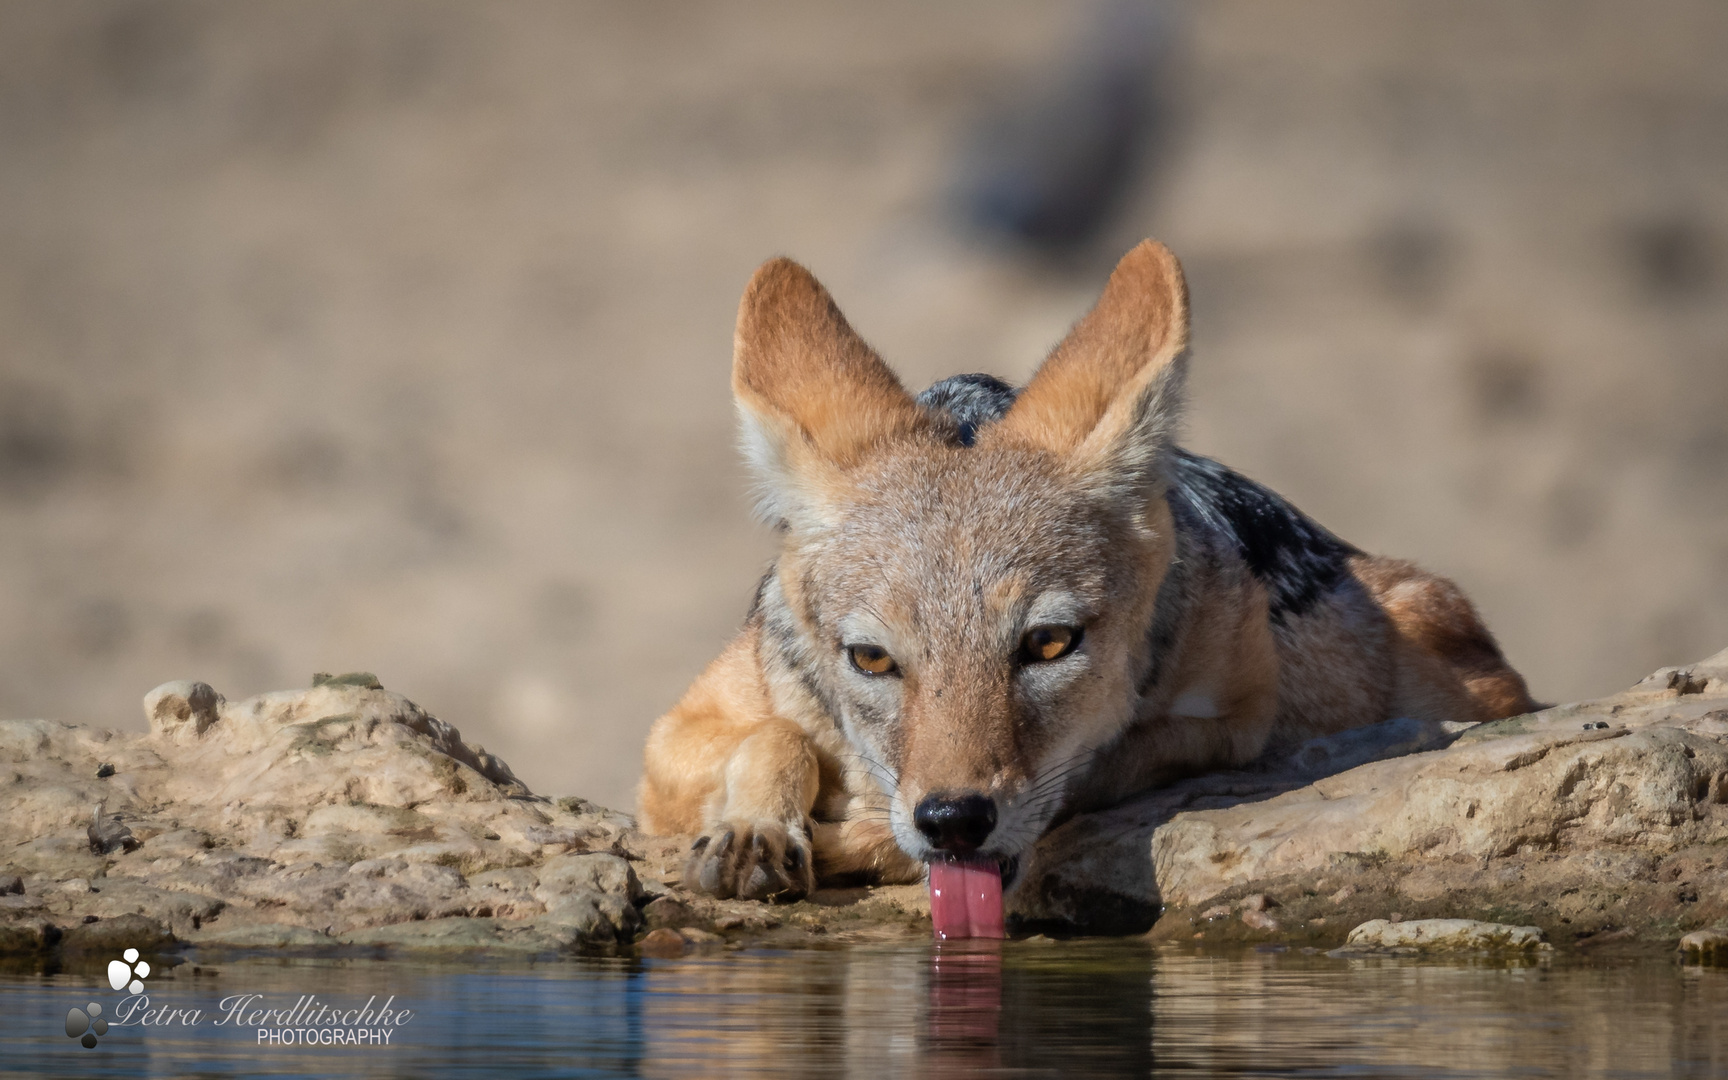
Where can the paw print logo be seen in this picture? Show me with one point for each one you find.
(86, 1024)
(129, 973)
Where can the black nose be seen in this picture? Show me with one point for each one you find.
(957, 823)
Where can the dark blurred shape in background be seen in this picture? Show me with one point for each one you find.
(1048, 165)
(396, 336)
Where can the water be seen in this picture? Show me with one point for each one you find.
(1018, 1009)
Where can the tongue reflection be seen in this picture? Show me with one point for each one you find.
(966, 898)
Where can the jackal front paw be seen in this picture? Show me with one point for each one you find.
(751, 860)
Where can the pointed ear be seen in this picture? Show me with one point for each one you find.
(1110, 394)
(814, 400)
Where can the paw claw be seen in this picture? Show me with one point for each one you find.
(761, 860)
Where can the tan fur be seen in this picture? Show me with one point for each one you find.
(1090, 386)
(1447, 662)
(795, 766)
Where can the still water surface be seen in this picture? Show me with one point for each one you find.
(1093, 1008)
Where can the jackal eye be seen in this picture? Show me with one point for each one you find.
(871, 659)
(1043, 643)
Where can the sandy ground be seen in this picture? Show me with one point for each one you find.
(396, 336)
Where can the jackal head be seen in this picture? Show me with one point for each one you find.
(971, 607)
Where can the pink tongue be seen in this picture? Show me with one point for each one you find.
(966, 899)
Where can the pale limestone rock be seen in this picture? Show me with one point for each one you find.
(1706, 945)
(343, 812)
(1598, 790)
(1443, 935)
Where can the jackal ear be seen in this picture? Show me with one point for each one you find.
(814, 400)
(1110, 394)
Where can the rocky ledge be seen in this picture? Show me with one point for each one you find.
(1604, 822)
(343, 817)
(340, 817)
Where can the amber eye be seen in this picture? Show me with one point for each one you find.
(871, 659)
(1043, 643)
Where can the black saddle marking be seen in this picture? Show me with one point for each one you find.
(1297, 560)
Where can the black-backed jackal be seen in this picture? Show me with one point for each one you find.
(993, 608)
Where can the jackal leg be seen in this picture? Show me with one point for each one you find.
(863, 847)
(721, 764)
(1448, 666)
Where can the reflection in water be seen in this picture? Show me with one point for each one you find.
(1124, 1008)
(1093, 1008)
(964, 1024)
(949, 1009)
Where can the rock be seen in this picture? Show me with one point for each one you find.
(1558, 819)
(1604, 937)
(452, 933)
(28, 935)
(664, 911)
(695, 935)
(108, 834)
(574, 886)
(662, 942)
(363, 679)
(182, 706)
(343, 816)
(261, 936)
(336, 812)
(116, 935)
(1443, 935)
(1710, 946)
(1259, 920)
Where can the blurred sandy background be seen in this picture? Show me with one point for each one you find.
(395, 336)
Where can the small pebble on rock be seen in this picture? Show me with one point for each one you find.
(104, 770)
(1259, 920)
(662, 942)
(1343, 894)
(665, 911)
(1706, 945)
